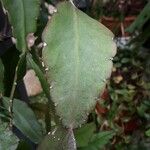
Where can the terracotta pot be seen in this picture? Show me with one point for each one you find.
(116, 26)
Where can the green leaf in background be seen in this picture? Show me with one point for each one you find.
(25, 120)
(31, 64)
(8, 141)
(43, 81)
(99, 140)
(84, 134)
(148, 133)
(22, 15)
(1, 77)
(23, 145)
(55, 140)
(142, 18)
(78, 55)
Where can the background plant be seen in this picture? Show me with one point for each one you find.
(121, 116)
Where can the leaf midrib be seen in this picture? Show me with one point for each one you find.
(27, 125)
(76, 51)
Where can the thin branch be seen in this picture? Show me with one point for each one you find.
(10, 109)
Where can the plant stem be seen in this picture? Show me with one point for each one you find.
(71, 140)
(10, 109)
(48, 118)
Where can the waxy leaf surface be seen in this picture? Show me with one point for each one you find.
(78, 54)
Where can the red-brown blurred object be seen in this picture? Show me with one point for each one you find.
(105, 94)
(116, 26)
(100, 110)
(131, 125)
(125, 12)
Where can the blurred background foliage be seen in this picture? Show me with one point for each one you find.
(121, 119)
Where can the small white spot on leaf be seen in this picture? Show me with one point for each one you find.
(14, 40)
(44, 44)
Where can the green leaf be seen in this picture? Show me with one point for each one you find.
(23, 145)
(148, 133)
(8, 141)
(44, 84)
(99, 140)
(1, 77)
(78, 54)
(22, 15)
(142, 18)
(31, 64)
(24, 119)
(55, 140)
(84, 134)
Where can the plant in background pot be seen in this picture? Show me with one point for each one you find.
(119, 14)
